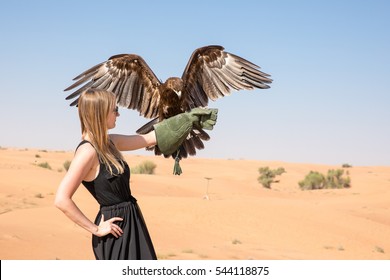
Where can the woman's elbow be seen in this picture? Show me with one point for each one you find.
(59, 203)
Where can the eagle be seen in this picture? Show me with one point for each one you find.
(211, 73)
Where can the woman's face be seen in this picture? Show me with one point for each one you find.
(111, 118)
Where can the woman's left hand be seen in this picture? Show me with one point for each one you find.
(109, 226)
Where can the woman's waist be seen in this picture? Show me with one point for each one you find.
(124, 203)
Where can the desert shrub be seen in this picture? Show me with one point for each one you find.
(44, 165)
(313, 181)
(268, 175)
(66, 165)
(39, 195)
(145, 167)
(333, 180)
(379, 249)
(236, 241)
(346, 165)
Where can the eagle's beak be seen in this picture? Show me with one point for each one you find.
(178, 93)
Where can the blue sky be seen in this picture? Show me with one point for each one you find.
(329, 102)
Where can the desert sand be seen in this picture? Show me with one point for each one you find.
(215, 210)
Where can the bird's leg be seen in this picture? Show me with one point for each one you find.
(176, 168)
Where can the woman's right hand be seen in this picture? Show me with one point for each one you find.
(109, 226)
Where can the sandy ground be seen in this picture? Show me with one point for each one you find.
(215, 210)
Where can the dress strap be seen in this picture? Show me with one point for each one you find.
(83, 142)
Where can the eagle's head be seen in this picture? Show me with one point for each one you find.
(175, 84)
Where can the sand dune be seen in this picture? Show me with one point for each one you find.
(239, 220)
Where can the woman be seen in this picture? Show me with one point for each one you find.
(119, 230)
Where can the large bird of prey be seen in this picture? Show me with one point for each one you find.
(211, 73)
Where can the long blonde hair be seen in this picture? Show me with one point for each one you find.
(94, 105)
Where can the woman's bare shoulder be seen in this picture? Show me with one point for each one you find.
(85, 149)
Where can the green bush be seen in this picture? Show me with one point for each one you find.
(44, 165)
(313, 181)
(145, 167)
(67, 164)
(333, 180)
(268, 175)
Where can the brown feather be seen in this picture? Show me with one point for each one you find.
(211, 73)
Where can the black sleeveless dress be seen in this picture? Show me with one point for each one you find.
(114, 197)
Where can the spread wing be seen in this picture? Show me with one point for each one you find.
(126, 75)
(212, 73)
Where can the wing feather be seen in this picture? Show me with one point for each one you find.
(128, 77)
(212, 73)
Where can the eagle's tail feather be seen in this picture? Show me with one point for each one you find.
(189, 147)
(148, 127)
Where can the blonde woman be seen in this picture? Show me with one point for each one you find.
(119, 230)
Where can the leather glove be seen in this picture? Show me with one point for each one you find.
(171, 132)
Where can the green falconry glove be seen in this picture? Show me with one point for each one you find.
(171, 132)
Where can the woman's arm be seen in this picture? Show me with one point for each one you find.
(133, 142)
(83, 162)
